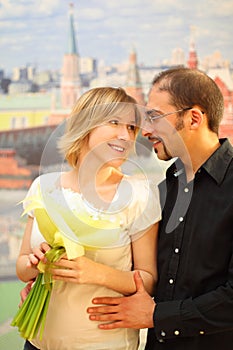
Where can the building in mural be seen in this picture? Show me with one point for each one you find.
(21, 111)
(223, 79)
(13, 176)
(222, 76)
(70, 81)
(192, 55)
(133, 84)
(38, 110)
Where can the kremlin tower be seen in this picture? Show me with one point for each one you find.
(133, 85)
(222, 77)
(192, 59)
(70, 82)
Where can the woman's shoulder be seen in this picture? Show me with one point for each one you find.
(145, 192)
(144, 209)
(141, 182)
(53, 176)
(46, 181)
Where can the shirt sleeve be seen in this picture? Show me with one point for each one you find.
(206, 314)
(145, 209)
(46, 182)
(36, 236)
(31, 192)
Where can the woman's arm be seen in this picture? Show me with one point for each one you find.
(26, 265)
(85, 271)
(145, 258)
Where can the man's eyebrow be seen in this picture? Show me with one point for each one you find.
(151, 111)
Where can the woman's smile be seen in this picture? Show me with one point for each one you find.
(117, 148)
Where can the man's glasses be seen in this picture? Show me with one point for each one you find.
(152, 115)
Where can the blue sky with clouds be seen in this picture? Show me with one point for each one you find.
(35, 31)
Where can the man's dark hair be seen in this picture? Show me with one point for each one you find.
(191, 87)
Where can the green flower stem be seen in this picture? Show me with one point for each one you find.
(39, 313)
(31, 316)
(26, 318)
(35, 299)
(18, 319)
(43, 318)
(52, 255)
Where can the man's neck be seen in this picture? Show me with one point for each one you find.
(201, 151)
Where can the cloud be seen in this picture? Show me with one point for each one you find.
(216, 9)
(91, 13)
(21, 8)
(107, 29)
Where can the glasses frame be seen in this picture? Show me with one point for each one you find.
(147, 116)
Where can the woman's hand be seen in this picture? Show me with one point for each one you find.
(80, 270)
(25, 291)
(28, 259)
(37, 255)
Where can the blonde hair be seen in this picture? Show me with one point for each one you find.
(93, 108)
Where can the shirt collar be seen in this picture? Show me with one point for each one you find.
(216, 165)
(176, 169)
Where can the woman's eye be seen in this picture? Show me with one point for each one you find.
(114, 122)
(132, 127)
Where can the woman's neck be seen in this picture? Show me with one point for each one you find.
(97, 186)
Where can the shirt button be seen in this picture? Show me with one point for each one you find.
(186, 189)
(162, 333)
(176, 250)
(176, 332)
(181, 219)
(171, 281)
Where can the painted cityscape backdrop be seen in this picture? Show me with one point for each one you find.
(34, 103)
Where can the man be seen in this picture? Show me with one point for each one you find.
(192, 308)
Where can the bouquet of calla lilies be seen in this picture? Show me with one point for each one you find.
(68, 226)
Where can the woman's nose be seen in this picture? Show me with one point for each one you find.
(124, 133)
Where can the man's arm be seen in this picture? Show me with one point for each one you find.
(121, 311)
(206, 314)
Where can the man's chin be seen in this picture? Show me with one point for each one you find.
(162, 156)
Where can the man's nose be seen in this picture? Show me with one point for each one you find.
(146, 128)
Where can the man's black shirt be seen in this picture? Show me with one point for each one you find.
(195, 262)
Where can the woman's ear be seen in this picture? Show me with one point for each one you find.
(197, 118)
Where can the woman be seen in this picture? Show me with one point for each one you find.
(99, 136)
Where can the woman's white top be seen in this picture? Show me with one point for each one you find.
(67, 324)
